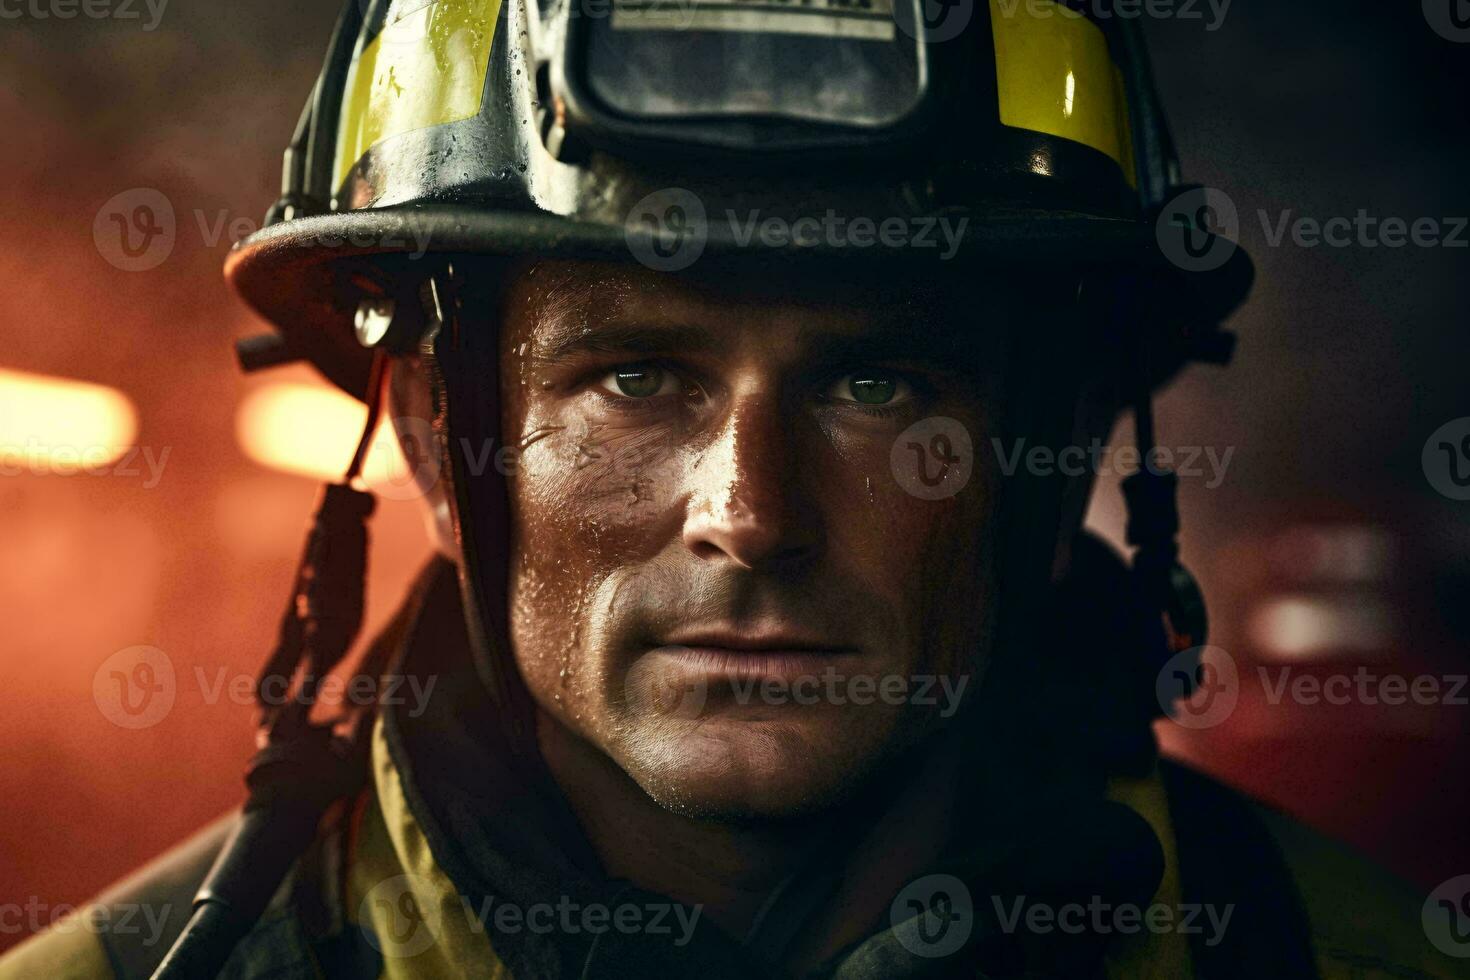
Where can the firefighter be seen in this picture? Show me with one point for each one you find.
(723, 339)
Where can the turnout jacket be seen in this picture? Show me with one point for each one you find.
(449, 865)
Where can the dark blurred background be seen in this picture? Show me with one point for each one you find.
(1325, 548)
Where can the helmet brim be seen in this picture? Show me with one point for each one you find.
(305, 275)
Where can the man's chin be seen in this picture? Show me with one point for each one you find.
(738, 770)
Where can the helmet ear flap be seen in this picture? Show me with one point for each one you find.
(463, 368)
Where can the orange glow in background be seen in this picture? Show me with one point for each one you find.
(312, 430)
(180, 528)
(170, 535)
(55, 425)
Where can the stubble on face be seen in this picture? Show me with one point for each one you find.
(743, 501)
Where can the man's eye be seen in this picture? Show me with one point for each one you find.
(870, 388)
(639, 381)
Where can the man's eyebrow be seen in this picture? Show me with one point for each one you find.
(622, 338)
(885, 336)
(895, 338)
(881, 346)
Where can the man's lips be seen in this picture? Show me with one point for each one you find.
(755, 641)
(751, 656)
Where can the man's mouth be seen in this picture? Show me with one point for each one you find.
(752, 654)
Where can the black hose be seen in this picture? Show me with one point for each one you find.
(292, 785)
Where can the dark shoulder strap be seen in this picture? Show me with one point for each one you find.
(307, 914)
(306, 933)
(1228, 859)
(144, 914)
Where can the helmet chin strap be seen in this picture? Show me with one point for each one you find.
(1153, 524)
(1151, 495)
(464, 371)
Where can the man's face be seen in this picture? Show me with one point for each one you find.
(720, 573)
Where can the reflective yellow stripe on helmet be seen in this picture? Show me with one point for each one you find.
(1054, 75)
(426, 68)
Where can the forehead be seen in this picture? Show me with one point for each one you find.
(553, 305)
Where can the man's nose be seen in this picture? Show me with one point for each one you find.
(746, 503)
